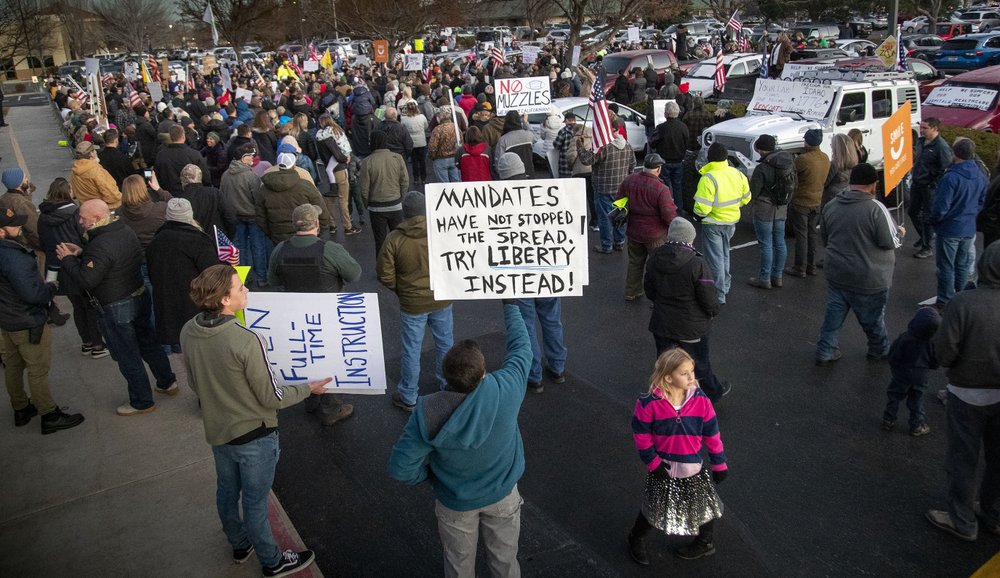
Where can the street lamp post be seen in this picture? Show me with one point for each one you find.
(333, 7)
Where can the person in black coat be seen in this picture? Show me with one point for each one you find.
(215, 157)
(145, 134)
(177, 254)
(59, 222)
(685, 300)
(113, 159)
(172, 159)
(209, 206)
(243, 136)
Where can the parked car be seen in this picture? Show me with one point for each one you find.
(981, 20)
(742, 71)
(949, 30)
(817, 30)
(662, 60)
(969, 52)
(977, 109)
(923, 46)
(916, 24)
(579, 106)
(858, 48)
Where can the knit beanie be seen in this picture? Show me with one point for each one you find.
(180, 210)
(414, 204)
(12, 178)
(681, 231)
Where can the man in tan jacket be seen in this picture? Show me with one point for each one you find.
(89, 179)
(811, 167)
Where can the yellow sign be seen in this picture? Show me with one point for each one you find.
(381, 48)
(242, 271)
(418, 44)
(888, 52)
(897, 147)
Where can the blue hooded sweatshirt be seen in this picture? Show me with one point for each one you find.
(960, 195)
(470, 443)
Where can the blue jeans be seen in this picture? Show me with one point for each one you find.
(715, 245)
(411, 334)
(549, 313)
(773, 250)
(954, 264)
(913, 393)
(447, 171)
(969, 428)
(130, 337)
(247, 469)
(610, 235)
(672, 175)
(870, 311)
(254, 248)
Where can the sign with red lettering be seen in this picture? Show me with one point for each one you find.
(525, 95)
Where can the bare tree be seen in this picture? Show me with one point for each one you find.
(237, 21)
(929, 8)
(81, 26)
(615, 15)
(723, 10)
(133, 23)
(26, 32)
(387, 19)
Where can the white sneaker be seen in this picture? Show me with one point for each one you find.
(172, 390)
(127, 410)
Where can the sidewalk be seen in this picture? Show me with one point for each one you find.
(115, 496)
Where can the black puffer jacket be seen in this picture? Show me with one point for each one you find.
(24, 298)
(172, 159)
(59, 223)
(109, 265)
(210, 208)
(682, 290)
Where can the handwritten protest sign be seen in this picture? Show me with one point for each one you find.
(310, 65)
(811, 100)
(961, 97)
(526, 95)
(529, 54)
(507, 239)
(244, 94)
(633, 34)
(310, 336)
(414, 62)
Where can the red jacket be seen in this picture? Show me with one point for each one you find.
(475, 163)
(466, 103)
(650, 207)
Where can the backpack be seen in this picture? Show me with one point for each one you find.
(784, 185)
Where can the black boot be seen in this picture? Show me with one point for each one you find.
(56, 420)
(57, 317)
(696, 549)
(636, 542)
(23, 416)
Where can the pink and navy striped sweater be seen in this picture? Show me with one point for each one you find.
(664, 434)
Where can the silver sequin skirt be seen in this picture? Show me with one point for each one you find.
(679, 506)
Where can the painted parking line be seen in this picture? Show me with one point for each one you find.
(286, 535)
(990, 569)
(743, 246)
(18, 155)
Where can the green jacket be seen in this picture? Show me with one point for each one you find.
(402, 266)
(384, 180)
(228, 369)
(279, 194)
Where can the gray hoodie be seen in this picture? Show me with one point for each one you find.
(239, 187)
(861, 239)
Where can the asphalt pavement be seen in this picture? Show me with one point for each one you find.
(815, 487)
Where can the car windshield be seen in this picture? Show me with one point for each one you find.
(959, 44)
(976, 96)
(703, 70)
(614, 64)
(944, 29)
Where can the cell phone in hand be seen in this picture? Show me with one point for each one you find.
(147, 173)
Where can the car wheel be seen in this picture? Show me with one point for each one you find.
(984, 29)
(909, 30)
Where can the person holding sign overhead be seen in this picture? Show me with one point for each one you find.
(403, 267)
(227, 367)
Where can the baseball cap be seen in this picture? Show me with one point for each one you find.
(9, 218)
(305, 217)
(286, 160)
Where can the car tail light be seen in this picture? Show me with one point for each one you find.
(979, 53)
(911, 51)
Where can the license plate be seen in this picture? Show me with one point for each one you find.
(952, 58)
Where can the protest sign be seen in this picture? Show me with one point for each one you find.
(414, 62)
(131, 70)
(310, 336)
(93, 66)
(576, 56)
(633, 34)
(897, 147)
(962, 97)
(529, 54)
(418, 44)
(227, 78)
(525, 95)
(310, 65)
(381, 50)
(507, 239)
(811, 100)
(244, 94)
(658, 107)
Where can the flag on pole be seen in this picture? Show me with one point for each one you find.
(144, 72)
(260, 79)
(313, 53)
(327, 60)
(598, 104)
(496, 55)
(154, 69)
(734, 22)
(901, 59)
(209, 17)
(227, 251)
(764, 60)
(133, 97)
(720, 74)
(108, 78)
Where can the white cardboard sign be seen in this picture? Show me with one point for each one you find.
(811, 100)
(507, 239)
(310, 336)
(961, 97)
(413, 62)
(310, 66)
(529, 54)
(525, 95)
(658, 108)
(633, 34)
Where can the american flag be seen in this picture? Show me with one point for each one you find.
(901, 61)
(734, 22)
(228, 252)
(133, 97)
(313, 53)
(743, 43)
(154, 69)
(429, 73)
(496, 55)
(79, 95)
(108, 78)
(720, 74)
(602, 132)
